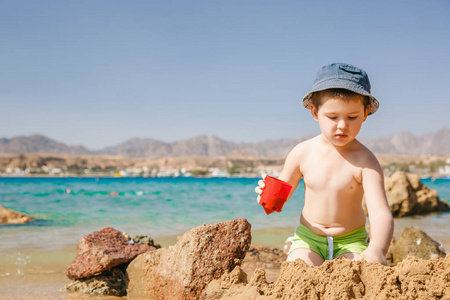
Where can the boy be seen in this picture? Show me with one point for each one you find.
(337, 171)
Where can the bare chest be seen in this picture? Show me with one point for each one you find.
(331, 174)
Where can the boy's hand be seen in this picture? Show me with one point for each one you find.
(373, 255)
(260, 188)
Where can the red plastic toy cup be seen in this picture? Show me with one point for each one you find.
(274, 194)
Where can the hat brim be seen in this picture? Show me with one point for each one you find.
(341, 84)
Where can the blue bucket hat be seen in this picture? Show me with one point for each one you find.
(342, 76)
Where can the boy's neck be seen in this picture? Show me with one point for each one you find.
(338, 148)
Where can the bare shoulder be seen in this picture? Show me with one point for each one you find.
(366, 158)
(302, 148)
(291, 170)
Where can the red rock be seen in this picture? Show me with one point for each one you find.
(200, 256)
(102, 250)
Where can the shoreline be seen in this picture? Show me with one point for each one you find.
(38, 275)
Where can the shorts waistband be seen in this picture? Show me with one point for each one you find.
(324, 238)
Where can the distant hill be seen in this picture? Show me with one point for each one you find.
(437, 142)
(39, 144)
(403, 143)
(203, 145)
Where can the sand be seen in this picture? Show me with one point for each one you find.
(344, 279)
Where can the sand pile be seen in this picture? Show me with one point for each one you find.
(341, 279)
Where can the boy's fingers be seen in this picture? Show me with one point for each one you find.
(360, 257)
(260, 188)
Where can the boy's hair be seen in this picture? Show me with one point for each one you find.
(343, 94)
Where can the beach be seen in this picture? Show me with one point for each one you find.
(34, 256)
(40, 275)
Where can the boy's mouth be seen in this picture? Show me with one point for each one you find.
(340, 135)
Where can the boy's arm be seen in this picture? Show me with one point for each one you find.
(290, 173)
(291, 170)
(380, 216)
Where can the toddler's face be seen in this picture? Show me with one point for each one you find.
(340, 120)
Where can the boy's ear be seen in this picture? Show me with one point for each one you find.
(366, 113)
(314, 112)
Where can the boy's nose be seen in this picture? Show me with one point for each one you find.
(342, 124)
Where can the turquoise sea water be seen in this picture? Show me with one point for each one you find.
(69, 208)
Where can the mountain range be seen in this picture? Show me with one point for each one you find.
(403, 143)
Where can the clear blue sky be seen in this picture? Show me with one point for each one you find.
(99, 72)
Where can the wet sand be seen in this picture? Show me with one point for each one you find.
(40, 275)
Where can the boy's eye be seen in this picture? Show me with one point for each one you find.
(352, 118)
(332, 118)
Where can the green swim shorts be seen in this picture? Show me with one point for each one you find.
(329, 247)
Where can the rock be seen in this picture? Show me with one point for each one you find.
(101, 251)
(415, 242)
(400, 194)
(9, 216)
(183, 270)
(110, 282)
(141, 275)
(145, 240)
(126, 236)
(407, 196)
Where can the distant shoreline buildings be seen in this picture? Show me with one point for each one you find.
(32, 166)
